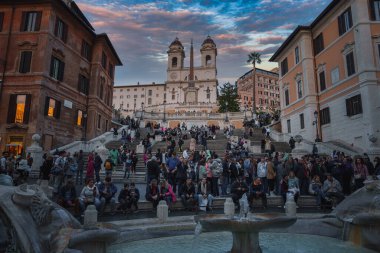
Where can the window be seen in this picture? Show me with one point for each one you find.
(149, 101)
(1, 21)
(52, 108)
(128, 96)
(99, 121)
(299, 88)
(60, 30)
(150, 92)
(110, 70)
(325, 116)
(297, 54)
(173, 96)
(104, 60)
(322, 81)
(174, 62)
(318, 44)
(142, 95)
(354, 105)
(345, 21)
(350, 63)
(30, 21)
(57, 68)
(134, 96)
(19, 109)
(302, 121)
(208, 60)
(287, 97)
(101, 87)
(25, 60)
(284, 67)
(106, 124)
(86, 50)
(375, 9)
(335, 76)
(121, 97)
(157, 95)
(79, 119)
(260, 101)
(289, 126)
(83, 84)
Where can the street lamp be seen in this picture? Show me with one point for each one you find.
(164, 111)
(226, 111)
(245, 111)
(134, 106)
(315, 122)
(142, 111)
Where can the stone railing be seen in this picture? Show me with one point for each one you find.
(190, 115)
(91, 145)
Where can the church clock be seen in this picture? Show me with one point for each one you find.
(173, 75)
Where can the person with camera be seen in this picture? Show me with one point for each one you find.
(89, 196)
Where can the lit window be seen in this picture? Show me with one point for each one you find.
(51, 108)
(20, 108)
(79, 118)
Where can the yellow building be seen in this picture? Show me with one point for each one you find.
(329, 74)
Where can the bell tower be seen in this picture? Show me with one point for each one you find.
(208, 53)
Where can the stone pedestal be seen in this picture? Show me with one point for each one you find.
(36, 152)
(90, 217)
(290, 205)
(193, 144)
(158, 138)
(162, 211)
(140, 149)
(229, 208)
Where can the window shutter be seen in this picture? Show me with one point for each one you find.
(372, 10)
(56, 26)
(57, 110)
(47, 99)
(38, 21)
(87, 86)
(348, 107)
(1, 21)
(23, 21)
(65, 30)
(52, 66)
(61, 70)
(79, 82)
(350, 17)
(25, 61)
(341, 24)
(360, 104)
(27, 108)
(12, 109)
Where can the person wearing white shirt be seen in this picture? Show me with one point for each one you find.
(262, 172)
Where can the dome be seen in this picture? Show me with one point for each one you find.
(208, 40)
(176, 42)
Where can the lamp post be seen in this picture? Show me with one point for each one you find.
(245, 111)
(164, 111)
(134, 106)
(226, 111)
(142, 111)
(315, 122)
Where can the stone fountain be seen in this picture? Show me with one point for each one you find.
(31, 223)
(245, 228)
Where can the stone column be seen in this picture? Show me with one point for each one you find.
(229, 208)
(162, 211)
(290, 205)
(90, 217)
(36, 152)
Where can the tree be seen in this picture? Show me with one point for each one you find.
(254, 58)
(228, 99)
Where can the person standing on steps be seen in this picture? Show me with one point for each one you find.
(97, 166)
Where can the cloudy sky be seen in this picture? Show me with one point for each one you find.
(142, 30)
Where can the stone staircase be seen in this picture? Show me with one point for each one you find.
(258, 136)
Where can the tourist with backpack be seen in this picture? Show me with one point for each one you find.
(108, 166)
(97, 166)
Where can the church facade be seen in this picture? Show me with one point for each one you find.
(187, 89)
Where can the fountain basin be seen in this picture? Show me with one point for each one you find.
(245, 232)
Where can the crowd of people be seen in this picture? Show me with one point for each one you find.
(195, 177)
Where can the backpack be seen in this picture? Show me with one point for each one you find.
(108, 165)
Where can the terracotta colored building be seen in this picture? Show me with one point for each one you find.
(330, 71)
(267, 90)
(56, 74)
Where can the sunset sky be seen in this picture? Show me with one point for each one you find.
(142, 30)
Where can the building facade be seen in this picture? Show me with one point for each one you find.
(56, 75)
(267, 92)
(329, 76)
(186, 89)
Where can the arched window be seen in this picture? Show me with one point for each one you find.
(174, 62)
(208, 60)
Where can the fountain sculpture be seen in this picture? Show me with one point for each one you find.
(31, 223)
(245, 229)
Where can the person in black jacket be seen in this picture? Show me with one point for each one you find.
(153, 169)
(97, 166)
(152, 193)
(238, 188)
(134, 195)
(187, 194)
(46, 168)
(124, 199)
(68, 195)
